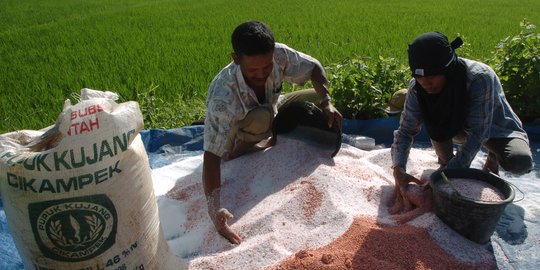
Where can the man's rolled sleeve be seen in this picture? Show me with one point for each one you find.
(409, 126)
(297, 66)
(217, 127)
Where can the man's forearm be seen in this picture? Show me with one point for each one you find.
(212, 182)
(211, 173)
(320, 81)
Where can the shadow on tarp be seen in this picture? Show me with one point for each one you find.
(9, 256)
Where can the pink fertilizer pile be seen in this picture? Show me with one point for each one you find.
(297, 208)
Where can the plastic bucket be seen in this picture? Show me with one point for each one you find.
(474, 219)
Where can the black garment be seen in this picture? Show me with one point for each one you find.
(305, 113)
(432, 54)
(445, 113)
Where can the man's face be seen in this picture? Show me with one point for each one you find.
(255, 68)
(432, 84)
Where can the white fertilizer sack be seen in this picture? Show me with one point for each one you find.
(84, 199)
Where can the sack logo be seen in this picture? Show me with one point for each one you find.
(74, 229)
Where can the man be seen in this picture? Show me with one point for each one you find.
(243, 100)
(460, 101)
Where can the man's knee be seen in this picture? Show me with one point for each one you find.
(309, 95)
(256, 125)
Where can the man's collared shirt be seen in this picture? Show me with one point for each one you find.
(229, 98)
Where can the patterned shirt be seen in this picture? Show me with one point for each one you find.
(229, 98)
(490, 116)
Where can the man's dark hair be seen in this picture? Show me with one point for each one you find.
(252, 38)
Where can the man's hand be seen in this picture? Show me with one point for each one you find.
(220, 216)
(212, 191)
(402, 203)
(320, 84)
(334, 116)
(220, 219)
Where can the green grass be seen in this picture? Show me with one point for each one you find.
(165, 53)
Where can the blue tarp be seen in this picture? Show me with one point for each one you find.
(513, 229)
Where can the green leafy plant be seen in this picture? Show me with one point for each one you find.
(160, 113)
(516, 61)
(361, 89)
(465, 50)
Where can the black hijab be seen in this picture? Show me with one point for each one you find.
(444, 113)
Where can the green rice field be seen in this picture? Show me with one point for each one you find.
(165, 53)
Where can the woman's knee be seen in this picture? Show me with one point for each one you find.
(517, 164)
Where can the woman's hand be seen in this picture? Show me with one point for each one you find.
(402, 203)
